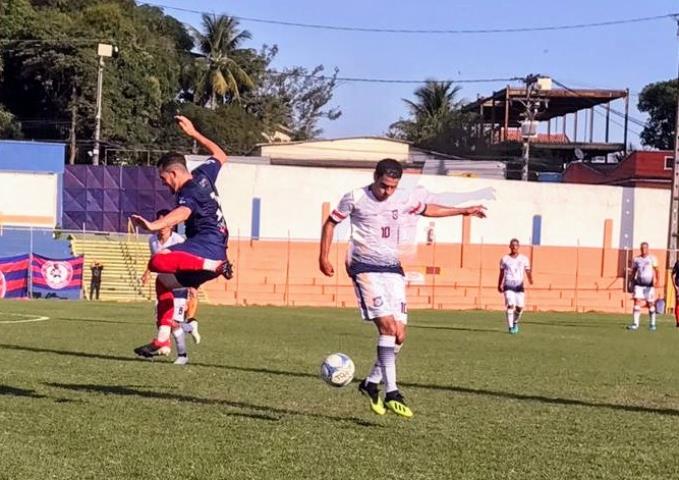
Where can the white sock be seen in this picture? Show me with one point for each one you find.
(180, 341)
(375, 375)
(510, 317)
(386, 344)
(163, 333)
(651, 314)
(636, 315)
(211, 265)
(180, 297)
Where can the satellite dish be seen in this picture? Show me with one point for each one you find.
(579, 154)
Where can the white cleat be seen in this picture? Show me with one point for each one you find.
(182, 360)
(194, 331)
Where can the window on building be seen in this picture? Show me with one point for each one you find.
(669, 163)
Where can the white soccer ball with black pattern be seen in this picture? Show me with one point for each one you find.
(337, 370)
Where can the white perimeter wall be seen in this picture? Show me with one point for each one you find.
(29, 195)
(292, 198)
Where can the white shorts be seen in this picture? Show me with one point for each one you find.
(380, 295)
(515, 299)
(644, 293)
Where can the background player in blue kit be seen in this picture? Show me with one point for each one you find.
(202, 257)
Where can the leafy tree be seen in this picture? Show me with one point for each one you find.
(236, 130)
(220, 72)
(659, 100)
(293, 99)
(436, 120)
(54, 65)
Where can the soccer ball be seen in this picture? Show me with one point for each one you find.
(337, 370)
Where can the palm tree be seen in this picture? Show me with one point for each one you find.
(436, 119)
(435, 101)
(220, 73)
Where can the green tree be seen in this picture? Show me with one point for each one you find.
(436, 120)
(221, 72)
(659, 100)
(53, 64)
(292, 100)
(236, 130)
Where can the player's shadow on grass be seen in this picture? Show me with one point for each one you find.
(90, 320)
(268, 371)
(568, 324)
(6, 390)
(458, 329)
(548, 400)
(267, 412)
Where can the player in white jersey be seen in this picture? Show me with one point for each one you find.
(513, 268)
(161, 240)
(376, 213)
(645, 278)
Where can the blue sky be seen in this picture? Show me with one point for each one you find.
(621, 56)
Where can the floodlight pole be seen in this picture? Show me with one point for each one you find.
(674, 200)
(103, 50)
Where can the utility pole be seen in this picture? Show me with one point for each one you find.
(674, 200)
(104, 50)
(529, 124)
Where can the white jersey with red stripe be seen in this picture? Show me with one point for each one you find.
(375, 227)
(155, 244)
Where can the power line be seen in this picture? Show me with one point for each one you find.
(397, 81)
(274, 73)
(315, 26)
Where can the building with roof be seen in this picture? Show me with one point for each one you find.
(648, 169)
(365, 152)
(568, 129)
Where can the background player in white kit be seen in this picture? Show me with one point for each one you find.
(645, 278)
(513, 268)
(376, 213)
(165, 238)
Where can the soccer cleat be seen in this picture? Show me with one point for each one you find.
(370, 390)
(632, 327)
(513, 330)
(181, 360)
(516, 328)
(396, 403)
(652, 328)
(194, 330)
(225, 269)
(153, 349)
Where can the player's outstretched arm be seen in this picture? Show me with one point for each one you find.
(175, 217)
(187, 127)
(529, 275)
(327, 233)
(433, 210)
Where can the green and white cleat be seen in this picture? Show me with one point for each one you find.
(371, 391)
(396, 403)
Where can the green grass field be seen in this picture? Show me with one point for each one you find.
(572, 396)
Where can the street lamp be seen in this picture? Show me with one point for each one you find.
(104, 50)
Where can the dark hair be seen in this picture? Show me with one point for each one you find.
(514, 240)
(389, 167)
(162, 212)
(644, 243)
(172, 158)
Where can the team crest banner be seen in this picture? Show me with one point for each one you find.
(60, 278)
(14, 277)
